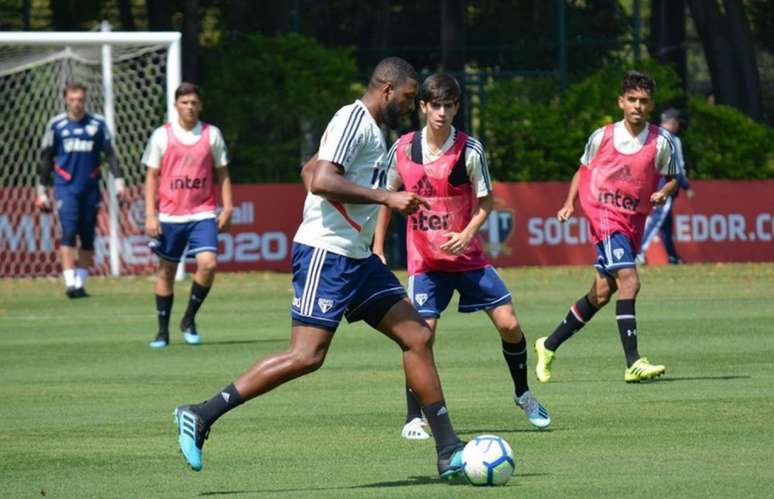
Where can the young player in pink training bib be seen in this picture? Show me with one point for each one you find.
(448, 169)
(617, 183)
(186, 159)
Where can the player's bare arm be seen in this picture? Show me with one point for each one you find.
(660, 196)
(458, 241)
(382, 224)
(115, 170)
(224, 179)
(152, 225)
(568, 208)
(307, 172)
(329, 182)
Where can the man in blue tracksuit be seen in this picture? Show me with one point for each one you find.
(661, 216)
(73, 145)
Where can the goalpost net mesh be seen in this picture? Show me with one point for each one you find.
(31, 82)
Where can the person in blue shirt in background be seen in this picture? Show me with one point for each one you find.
(73, 145)
(660, 218)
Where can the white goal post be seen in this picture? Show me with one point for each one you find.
(131, 79)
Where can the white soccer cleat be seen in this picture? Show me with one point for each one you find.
(415, 430)
(536, 413)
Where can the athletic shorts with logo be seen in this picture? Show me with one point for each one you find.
(77, 215)
(328, 286)
(199, 236)
(480, 289)
(614, 253)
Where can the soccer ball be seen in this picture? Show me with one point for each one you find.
(488, 460)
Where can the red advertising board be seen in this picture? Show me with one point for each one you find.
(727, 221)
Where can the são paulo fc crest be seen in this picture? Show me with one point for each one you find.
(91, 129)
(497, 230)
(420, 298)
(618, 253)
(325, 304)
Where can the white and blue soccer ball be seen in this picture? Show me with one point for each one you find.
(488, 460)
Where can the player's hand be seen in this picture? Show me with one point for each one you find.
(658, 197)
(224, 221)
(689, 193)
(456, 244)
(565, 212)
(122, 193)
(380, 254)
(152, 226)
(405, 202)
(43, 204)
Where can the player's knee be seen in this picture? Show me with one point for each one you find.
(602, 297)
(307, 361)
(207, 266)
(422, 339)
(630, 284)
(510, 330)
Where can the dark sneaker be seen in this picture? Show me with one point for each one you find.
(191, 435)
(71, 292)
(450, 462)
(81, 293)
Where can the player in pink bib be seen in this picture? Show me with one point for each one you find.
(186, 159)
(448, 169)
(617, 183)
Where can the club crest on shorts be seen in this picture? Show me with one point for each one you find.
(325, 304)
(497, 229)
(618, 253)
(420, 298)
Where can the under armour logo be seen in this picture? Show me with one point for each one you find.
(225, 396)
(442, 411)
(631, 332)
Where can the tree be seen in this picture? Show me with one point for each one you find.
(667, 34)
(728, 48)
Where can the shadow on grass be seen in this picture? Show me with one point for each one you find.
(500, 431)
(410, 481)
(702, 378)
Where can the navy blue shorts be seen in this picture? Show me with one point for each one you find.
(614, 253)
(77, 216)
(198, 236)
(327, 286)
(480, 289)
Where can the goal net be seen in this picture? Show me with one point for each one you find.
(130, 79)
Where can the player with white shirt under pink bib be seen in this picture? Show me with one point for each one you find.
(617, 182)
(448, 169)
(185, 159)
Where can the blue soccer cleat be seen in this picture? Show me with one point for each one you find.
(161, 341)
(451, 467)
(191, 435)
(190, 334)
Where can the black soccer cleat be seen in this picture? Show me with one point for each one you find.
(450, 461)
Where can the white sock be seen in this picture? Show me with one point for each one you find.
(69, 277)
(80, 277)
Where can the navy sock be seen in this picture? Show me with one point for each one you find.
(438, 418)
(198, 294)
(516, 356)
(413, 410)
(580, 313)
(627, 329)
(163, 310)
(221, 403)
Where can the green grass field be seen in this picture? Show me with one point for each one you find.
(85, 406)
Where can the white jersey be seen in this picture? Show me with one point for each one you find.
(666, 162)
(355, 142)
(157, 144)
(475, 163)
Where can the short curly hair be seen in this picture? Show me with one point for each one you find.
(637, 80)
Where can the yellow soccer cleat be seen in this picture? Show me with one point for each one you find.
(544, 359)
(642, 369)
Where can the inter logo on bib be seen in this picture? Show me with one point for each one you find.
(420, 298)
(325, 304)
(618, 253)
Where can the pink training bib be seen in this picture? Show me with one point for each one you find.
(615, 188)
(450, 209)
(187, 178)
